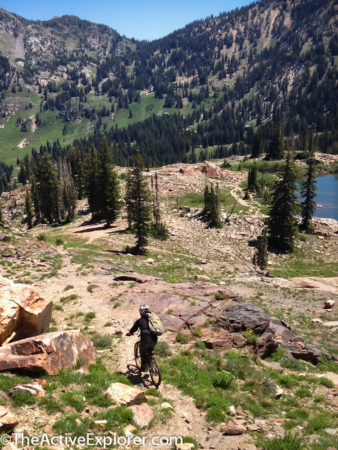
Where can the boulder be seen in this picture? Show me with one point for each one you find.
(329, 304)
(48, 352)
(218, 340)
(233, 428)
(124, 395)
(32, 388)
(142, 414)
(245, 316)
(23, 313)
(8, 421)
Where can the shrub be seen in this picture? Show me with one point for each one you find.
(162, 349)
(181, 338)
(101, 340)
(41, 237)
(59, 241)
(72, 423)
(326, 382)
(89, 316)
(214, 414)
(288, 442)
(250, 336)
(91, 287)
(223, 380)
(318, 422)
(190, 440)
(219, 295)
(197, 332)
(159, 231)
(200, 344)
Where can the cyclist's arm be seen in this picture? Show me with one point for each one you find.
(135, 327)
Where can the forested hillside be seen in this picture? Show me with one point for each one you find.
(211, 85)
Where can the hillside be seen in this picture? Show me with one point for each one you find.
(217, 390)
(211, 84)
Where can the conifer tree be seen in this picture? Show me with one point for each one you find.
(69, 197)
(158, 228)
(91, 171)
(211, 206)
(256, 145)
(282, 224)
(139, 200)
(261, 256)
(108, 185)
(29, 210)
(276, 147)
(308, 192)
(47, 188)
(252, 179)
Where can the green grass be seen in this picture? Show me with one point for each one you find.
(196, 200)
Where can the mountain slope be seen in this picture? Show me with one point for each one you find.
(227, 75)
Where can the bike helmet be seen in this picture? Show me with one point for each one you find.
(144, 309)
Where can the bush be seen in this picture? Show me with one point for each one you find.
(181, 338)
(89, 316)
(162, 349)
(197, 332)
(101, 340)
(159, 231)
(250, 336)
(41, 237)
(59, 241)
(223, 380)
(214, 414)
(288, 442)
(318, 422)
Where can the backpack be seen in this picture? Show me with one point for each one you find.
(155, 324)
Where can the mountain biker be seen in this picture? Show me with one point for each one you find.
(148, 339)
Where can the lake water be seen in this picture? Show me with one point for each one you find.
(327, 196)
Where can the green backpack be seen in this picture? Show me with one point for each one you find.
(155, 324)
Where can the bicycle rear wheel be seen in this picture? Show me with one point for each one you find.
(155, 373)
(137, 355)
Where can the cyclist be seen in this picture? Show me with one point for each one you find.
(148, 339)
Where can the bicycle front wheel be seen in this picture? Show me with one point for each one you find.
(155, 373)
(137, 355)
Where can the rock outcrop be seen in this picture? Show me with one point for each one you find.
(23, 313)
(48, 352)
(8, 421)
(271, 332)
(124, 395)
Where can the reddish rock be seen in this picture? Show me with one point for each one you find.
(234, 428)
(23, 313)
(124, 395)
(48, 352)
(217, 339)
(185, 171)
(142, 414)
(8, 421)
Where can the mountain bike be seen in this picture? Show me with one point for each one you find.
(153, 368)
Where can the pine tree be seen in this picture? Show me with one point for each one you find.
(256, 145)
(211, 206)
(46, 186)
(69, 197)
(261, 256)
(91, 176)
(108, 184)
(282, 224)
(276, 147)
(29, 210)
(252, 179)
(308, 193)
(139, 204)
(158, 228)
